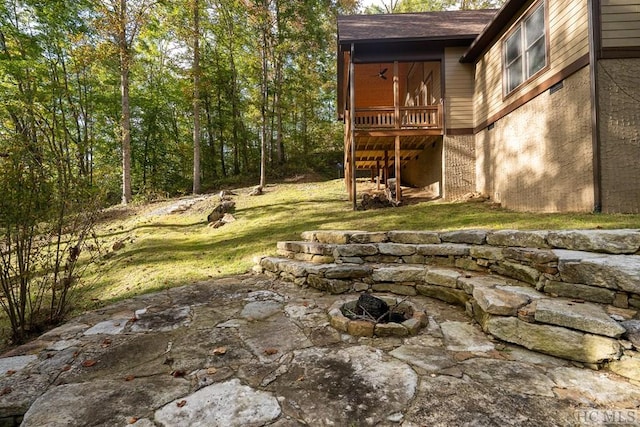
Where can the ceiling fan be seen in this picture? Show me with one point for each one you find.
(382, 73)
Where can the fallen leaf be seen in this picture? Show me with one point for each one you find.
(212, 371)
(133, 420)
(270, 351)
(300, 378)
(219, 351)
(181, 403)
(75, 354)
(178, 373)
(5, 391)
(129, 378)
(10, 372)
(66, 368)
(105, 343)
(306, 304)
(89, 363)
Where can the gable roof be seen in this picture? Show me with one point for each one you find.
(443, 25)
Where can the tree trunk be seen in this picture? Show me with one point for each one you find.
(196, 98)
(125, 120)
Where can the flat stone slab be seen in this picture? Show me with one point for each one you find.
(195, 366)
(586, 317)
(609, 241)
(620, 272)
(220, 405)
(108, 327)
(103, 402)
(500, 300)
(518, 238)
(460, 336)
(16, 363)
(259, 310)
(554, 340)
(400, 273)
(594, 387)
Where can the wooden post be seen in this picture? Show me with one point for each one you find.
(386, 167)
(378, 173)
(396, 112)
(397, 165)
(352, 108)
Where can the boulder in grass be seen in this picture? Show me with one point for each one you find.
(256, 191)
(219, 211)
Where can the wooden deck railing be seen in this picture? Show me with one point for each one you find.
(427, 117)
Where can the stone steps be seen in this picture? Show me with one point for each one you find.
(561, 293)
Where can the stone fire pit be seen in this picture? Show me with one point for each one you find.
(400, 318)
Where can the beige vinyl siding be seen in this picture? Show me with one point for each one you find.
(620, 23)
(459, 88)
(568, 25)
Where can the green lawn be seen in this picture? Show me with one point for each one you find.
(178, 249)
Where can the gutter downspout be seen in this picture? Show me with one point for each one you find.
(594, 50)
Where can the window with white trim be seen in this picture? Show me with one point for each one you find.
(525, 50)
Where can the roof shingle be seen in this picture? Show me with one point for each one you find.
(454, 24)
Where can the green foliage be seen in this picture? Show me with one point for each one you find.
(405, 6)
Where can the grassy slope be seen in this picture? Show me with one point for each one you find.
(171, 250)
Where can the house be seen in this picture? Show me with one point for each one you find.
(536, 105)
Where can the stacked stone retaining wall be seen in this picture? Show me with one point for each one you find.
(573, 294)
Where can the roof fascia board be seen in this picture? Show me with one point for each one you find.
(493, 29)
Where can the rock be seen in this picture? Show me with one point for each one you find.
(608, 241)
(347, 271)
(390, 330)
(402, 273)
(499, 301)
(452, 296)
(355, 250)
(396, 249)
(16, 363)
(260, 310)
(487, 252)
(221, 209)
(628, 368)
(517, 271)
(444, 249)
(221, 405)
(163, 320)
(554, 340)
(413, 237)
(593, 388)
(633, 332)
(460, 336)
(512, 377)
(442, 277)
(620, 272)
(531, 256)
(468, 284)
(108, 327)
(395, 288)
(428, 358)
(256, 191)
(526, 239)
(103, 402)
(352, 386)
(372, 237)
(584, 292)
(473, 237)
(581, 316)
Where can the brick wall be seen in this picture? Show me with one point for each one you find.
(459, 166)
(540, 157)
(426, 171)
(619, 97)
